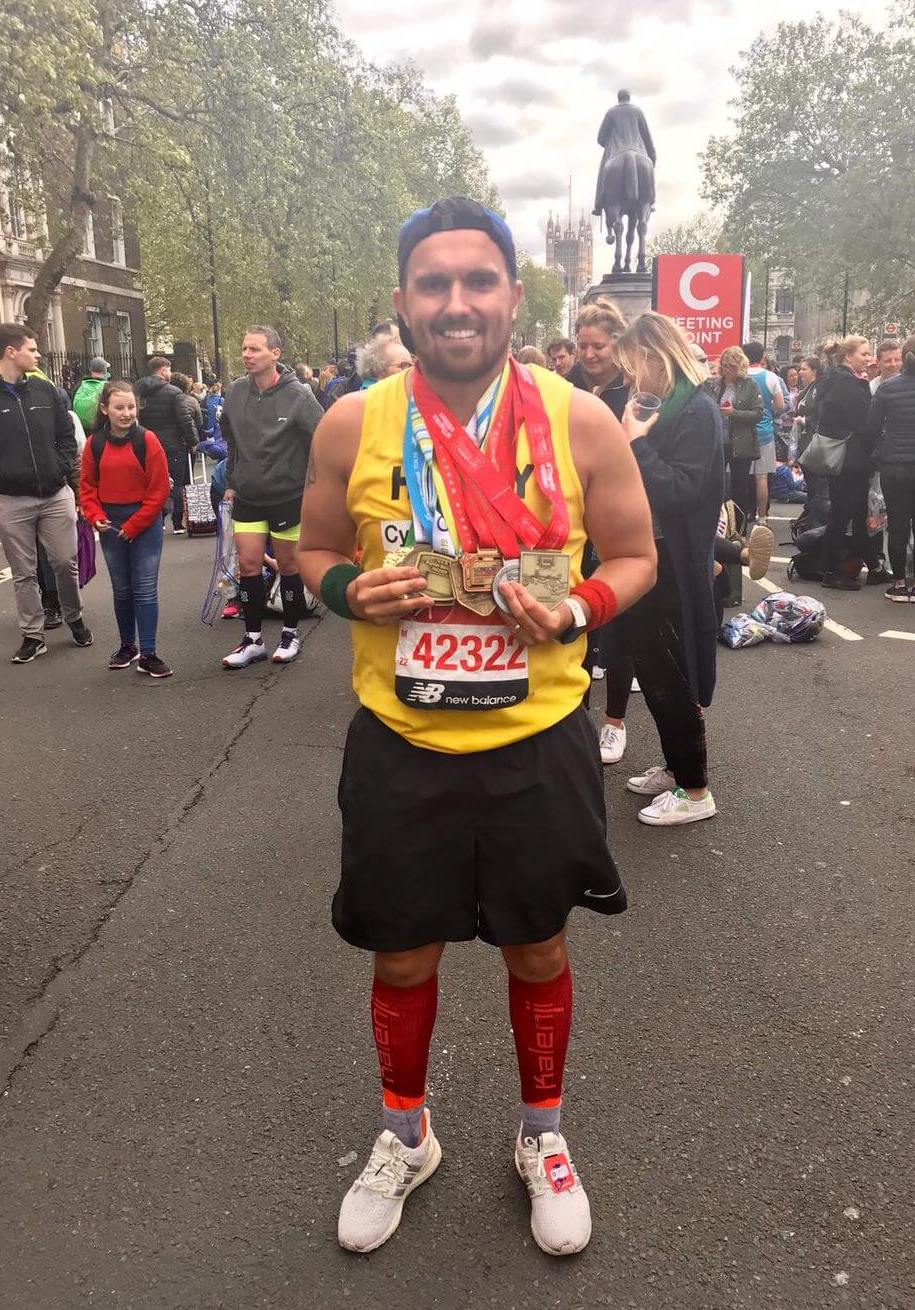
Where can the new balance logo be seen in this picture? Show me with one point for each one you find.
(426, 693)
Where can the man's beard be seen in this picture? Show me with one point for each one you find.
(488, 352)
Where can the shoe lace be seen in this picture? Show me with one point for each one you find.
(535, 1170)
(669, 800)
(385, 1171)
(610, 734)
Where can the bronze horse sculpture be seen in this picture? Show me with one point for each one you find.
(625, 182)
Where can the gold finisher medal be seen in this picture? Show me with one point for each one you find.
(475, 601)
(545, 574)
(479, 568)
(435, 568)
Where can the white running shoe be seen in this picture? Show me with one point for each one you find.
(560, 1213)
(248, 652)
(373, 1206)
(652, 782)
(675, 806)
(288, 648)
(612, 743)
(597, 673)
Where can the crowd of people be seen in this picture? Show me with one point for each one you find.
(498, 530)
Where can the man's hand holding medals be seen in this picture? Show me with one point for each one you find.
(386, 595)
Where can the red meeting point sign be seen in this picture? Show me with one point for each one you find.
(704, 294)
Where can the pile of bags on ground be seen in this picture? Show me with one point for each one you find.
(781, 616)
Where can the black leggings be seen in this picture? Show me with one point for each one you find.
(651, 635)
(898, 484)
(743, 486)
(848, 500)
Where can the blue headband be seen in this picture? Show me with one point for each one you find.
(457, 213)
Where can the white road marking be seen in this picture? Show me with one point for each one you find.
(5, 575)
(782, 518)
(899, 636)
(781, 559)
(838, 628)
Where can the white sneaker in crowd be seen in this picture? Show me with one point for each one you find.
(612, 743)
(597, 673)
(652, 782)
(560, 1213)
(673, 807)
(372, 1208)
(248, 652)
(288, 648)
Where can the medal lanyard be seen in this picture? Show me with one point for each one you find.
(426, 487)
(480, 486)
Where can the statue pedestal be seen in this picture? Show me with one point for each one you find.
(631, 291)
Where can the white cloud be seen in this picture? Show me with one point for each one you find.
(533, 79)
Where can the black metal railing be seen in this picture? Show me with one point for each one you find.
(67, 368)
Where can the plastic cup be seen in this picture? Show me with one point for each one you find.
(644, 404)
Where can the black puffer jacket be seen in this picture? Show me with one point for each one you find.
(165, 410)
(892, 419)
(37, 442)
(844, 405)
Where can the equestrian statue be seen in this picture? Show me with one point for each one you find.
(625, 183)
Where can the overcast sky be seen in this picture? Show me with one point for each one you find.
(533, 79)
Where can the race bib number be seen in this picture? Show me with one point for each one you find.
(458, 665)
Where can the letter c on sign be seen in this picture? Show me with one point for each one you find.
(686, 285)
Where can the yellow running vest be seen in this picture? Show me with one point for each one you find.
(380, 507)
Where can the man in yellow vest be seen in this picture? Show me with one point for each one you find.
(471, 792)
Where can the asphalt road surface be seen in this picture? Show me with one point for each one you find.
(185, 1048)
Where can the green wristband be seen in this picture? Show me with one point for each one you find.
(333, 589)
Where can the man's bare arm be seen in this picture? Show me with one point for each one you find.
(327, 535)
(617, 517)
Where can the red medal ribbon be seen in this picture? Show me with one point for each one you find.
(481, 485)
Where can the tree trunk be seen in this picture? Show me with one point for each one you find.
(70, 238)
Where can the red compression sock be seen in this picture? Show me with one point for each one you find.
(402, 1022)
(541, 1015)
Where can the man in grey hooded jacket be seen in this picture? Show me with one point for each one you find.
(268, 421)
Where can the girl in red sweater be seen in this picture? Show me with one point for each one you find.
(124, 488)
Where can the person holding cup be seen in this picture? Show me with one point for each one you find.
(740, 404)
(671, 633)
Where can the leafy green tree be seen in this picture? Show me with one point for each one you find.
(540, 314)
(700, 234)
(267, 168)
(817, 174)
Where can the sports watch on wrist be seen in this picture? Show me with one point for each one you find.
(578, 625)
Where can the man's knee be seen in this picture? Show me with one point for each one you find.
(537, 961)
(408, 968)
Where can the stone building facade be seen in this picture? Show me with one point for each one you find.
(98, 307)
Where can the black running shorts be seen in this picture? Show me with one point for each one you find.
(273, 518)
(497, 844)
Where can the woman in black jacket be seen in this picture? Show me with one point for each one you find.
(892, 426)
(844, 404)
(672, 631)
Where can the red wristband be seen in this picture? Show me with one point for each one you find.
(600, 599)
